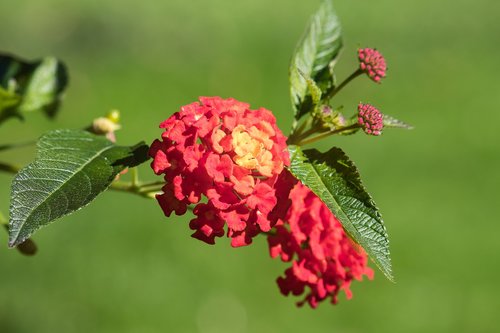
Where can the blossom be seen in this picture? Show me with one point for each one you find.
(372, 63)
(370, 118)
(225, 159)
(324, 260)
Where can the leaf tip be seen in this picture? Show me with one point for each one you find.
(15, 239)
(390, 276)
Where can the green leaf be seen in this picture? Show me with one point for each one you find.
(395, 123)
(38, 85)
(71, 168)
(44, 89)
(313, 89)
(335, 180)
(315, 55)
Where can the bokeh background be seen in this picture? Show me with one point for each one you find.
(120, 266)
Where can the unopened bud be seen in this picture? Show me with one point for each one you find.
(106, 125)
(370, 118)
(372, 63)
(102, 126)
(329, 119)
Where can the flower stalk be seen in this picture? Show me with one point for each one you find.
(330, 94)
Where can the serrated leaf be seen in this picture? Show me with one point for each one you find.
(39, 84)
(334, 178)
(318, 48)
(71, 168)
(395, 123)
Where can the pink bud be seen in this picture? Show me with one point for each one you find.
(372, 63)
(371, 119)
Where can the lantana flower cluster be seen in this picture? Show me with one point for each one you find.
(324, 259)
(224, 158)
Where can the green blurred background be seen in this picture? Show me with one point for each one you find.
(120, 266)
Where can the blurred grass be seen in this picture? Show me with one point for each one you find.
(120, 266)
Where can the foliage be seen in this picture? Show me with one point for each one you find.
(238, 154)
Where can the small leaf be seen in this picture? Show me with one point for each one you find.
(71, 168)
(316, 51)
(393, 122)
(335, 180)
(39, 85)
(313, 89)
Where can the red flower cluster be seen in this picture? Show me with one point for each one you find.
(324, 259)
(372, 63)
(232, 155)
(370, 118)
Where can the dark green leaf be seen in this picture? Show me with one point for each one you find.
(15, 69)
(393, 122)
(39, 85)
(335, 180)
(71, 168)
(316, 51)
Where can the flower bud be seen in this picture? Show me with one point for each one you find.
(370, 118)
(372, 63)
(328, 118)
(106, 125)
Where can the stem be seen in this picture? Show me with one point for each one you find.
(9, 168)
(151, 188)
(147, 190)
(334, 92)
(297, 135)
(307, 133)
(134, 172)
(324, 135)
(16, 145)
(303, 126)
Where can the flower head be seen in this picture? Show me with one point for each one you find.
(372, 63)
(370, 118)
(324, 259)
(222, 150)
